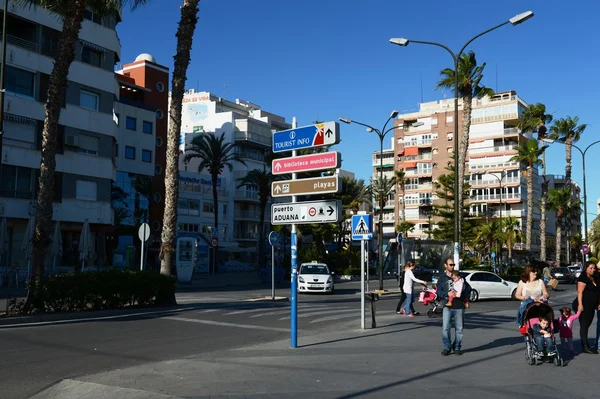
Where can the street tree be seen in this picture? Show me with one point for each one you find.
(512, 233)
(381, 187)
(559, 200)
(470, 76)
(71, 14)
(568, 131)
(528, 155)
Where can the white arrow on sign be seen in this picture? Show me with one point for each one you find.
(277, 166)
(277, 188)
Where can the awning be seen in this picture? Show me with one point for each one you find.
(93, 46)
(409, 164)
(411, 151)
(401, 152)
(18, 119)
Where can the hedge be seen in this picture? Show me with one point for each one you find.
(106, 289)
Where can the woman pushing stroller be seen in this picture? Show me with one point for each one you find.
(530, 289)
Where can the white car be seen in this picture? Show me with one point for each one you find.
(315, 277)
(486, 285)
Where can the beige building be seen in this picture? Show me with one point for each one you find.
(423, 148)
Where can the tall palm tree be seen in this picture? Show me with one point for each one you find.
(185, 38)
(572, 212)
(558, 201)
(469, 86)
(381, 188)
(71, 13)
(512, 233)
(567, 130)
(535, 119)
(214, 156)
(594, 236)
(260, 179)
(488, 234)
(401, 181)
(528, 154)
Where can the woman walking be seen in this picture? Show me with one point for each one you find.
(407, 288)
(403, 295)
(530, 289)
(588, 301)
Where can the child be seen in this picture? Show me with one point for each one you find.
(565, 321)
(543, 337)
(457, 287)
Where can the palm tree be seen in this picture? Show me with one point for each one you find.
(512, 233)
(528, 154)
(260, 179)
(185, 36)
(567, 130)
(558, 201)
(487, 234)
(576, 243)
(469, 86)
(401, 181)
(71, 14)
(573, 211)
(214, 156)
(594, 236)
(534, 119)
(381, 188)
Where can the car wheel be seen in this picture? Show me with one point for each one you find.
(474, 296)
(513, 294)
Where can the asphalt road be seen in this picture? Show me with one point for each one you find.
(34, 356)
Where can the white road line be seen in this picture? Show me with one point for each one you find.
(311, 314)
(220, 323)
(247, 311)
(208, 310)
(337, 317)
(274, 313)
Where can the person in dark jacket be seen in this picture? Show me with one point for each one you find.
(455, 314)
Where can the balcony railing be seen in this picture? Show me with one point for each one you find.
(24, 43)
(421, 157)
(499, 148)
(387, 204)
(245, 235)
(414, 143)
(252, 215)
(418, 201)
(493, 166)
(495, 182)
(492, 197)
(254, 137)
(246, 194)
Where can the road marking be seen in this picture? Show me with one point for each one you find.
(88, 319)
(220, 323)
(246, 311)
(337, 317)
(208, 310)
(274, 313)
(322, 312)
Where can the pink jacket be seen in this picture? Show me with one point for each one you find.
(566, 325)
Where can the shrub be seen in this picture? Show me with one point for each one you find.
(107, 289)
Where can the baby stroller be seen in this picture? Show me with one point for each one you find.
(429, 297)
(530, 318)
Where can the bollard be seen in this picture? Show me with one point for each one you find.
(373, 298)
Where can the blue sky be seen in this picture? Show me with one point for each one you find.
(323, 59)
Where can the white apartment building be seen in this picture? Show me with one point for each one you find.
(85, 163)
(250, 128)
(423, 148)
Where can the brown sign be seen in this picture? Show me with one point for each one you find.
(317, 185)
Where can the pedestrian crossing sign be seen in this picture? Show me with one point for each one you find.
(362, 227)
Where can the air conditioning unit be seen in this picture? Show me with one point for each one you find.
(71, 140)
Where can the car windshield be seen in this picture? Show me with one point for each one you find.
(314, 269)
(562, 270)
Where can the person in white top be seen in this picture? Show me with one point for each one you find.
(409, 279)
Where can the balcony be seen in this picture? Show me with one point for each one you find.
(387, 161)
(500, 165)
(496, 197)
(249, 215)
(246, 195)
(253, 137)
(486, 150)
(387, 204)
(418, 201)
(245, 235)
(422, 157)
(415, 143)
(496, 213)
(495, 182)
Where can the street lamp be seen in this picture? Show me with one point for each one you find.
(516, 20)
(503, 174)
(582, 152)
(381, 133)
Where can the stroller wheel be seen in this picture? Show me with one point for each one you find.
(562, 362)
(556, 362)
(531, 360)
(430, 313)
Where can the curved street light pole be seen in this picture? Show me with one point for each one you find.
(520, 18)
(381, 134)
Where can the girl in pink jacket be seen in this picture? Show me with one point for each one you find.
(565, 322)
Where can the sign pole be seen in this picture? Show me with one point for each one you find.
(273, 272)
(362, 284)
(142, 257)
(294, 273)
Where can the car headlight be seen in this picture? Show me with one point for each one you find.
(329, 280)
(300, 279)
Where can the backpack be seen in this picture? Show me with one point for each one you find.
(465, 295)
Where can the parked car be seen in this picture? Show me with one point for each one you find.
(563, 275)
(315, 277)
(487, 285)
(576, 271)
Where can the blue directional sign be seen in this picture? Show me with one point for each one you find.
(362, 227)
(318, 135)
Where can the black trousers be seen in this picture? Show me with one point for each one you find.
(401, 301)
(585, 321)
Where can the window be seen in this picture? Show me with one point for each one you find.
(159, 114)
(147, 127)
(89, 100)
(208, 207)
(146, 156)
(129, 152)
(88, 145)
(91, 56)
(492, 278)
(160, 87)
(188, 227)
(19, 81)
(130, 123)
(15, 182)
(449, 118)
(159, 142)
(92, 16)
(450, 136)
(478, 277)
(86, 190)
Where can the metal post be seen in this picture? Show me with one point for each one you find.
(362, 284)
(2, 72)
(294, 272)
(142, 249)
(381, 203)
(457, 194)
(272, 272)
(585, 222)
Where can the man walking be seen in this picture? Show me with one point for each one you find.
(450, 314)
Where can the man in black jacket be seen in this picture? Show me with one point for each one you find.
(454, 314)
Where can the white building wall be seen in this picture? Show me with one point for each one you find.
(136, 139)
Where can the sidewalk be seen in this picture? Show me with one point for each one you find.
(401, 358)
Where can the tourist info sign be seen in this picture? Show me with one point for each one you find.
(307, 163)
(317, 185)
(318, 135)
(306, 212)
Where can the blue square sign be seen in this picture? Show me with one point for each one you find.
(362, 227)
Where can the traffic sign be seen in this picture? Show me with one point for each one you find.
(144, 232)
(318, 135)
(306, 212)
(214, 242)
(399, 238)
(493, 255)
(273, 238)
(316, 185)
(362, 227)
(585, 248)
(307, 163)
